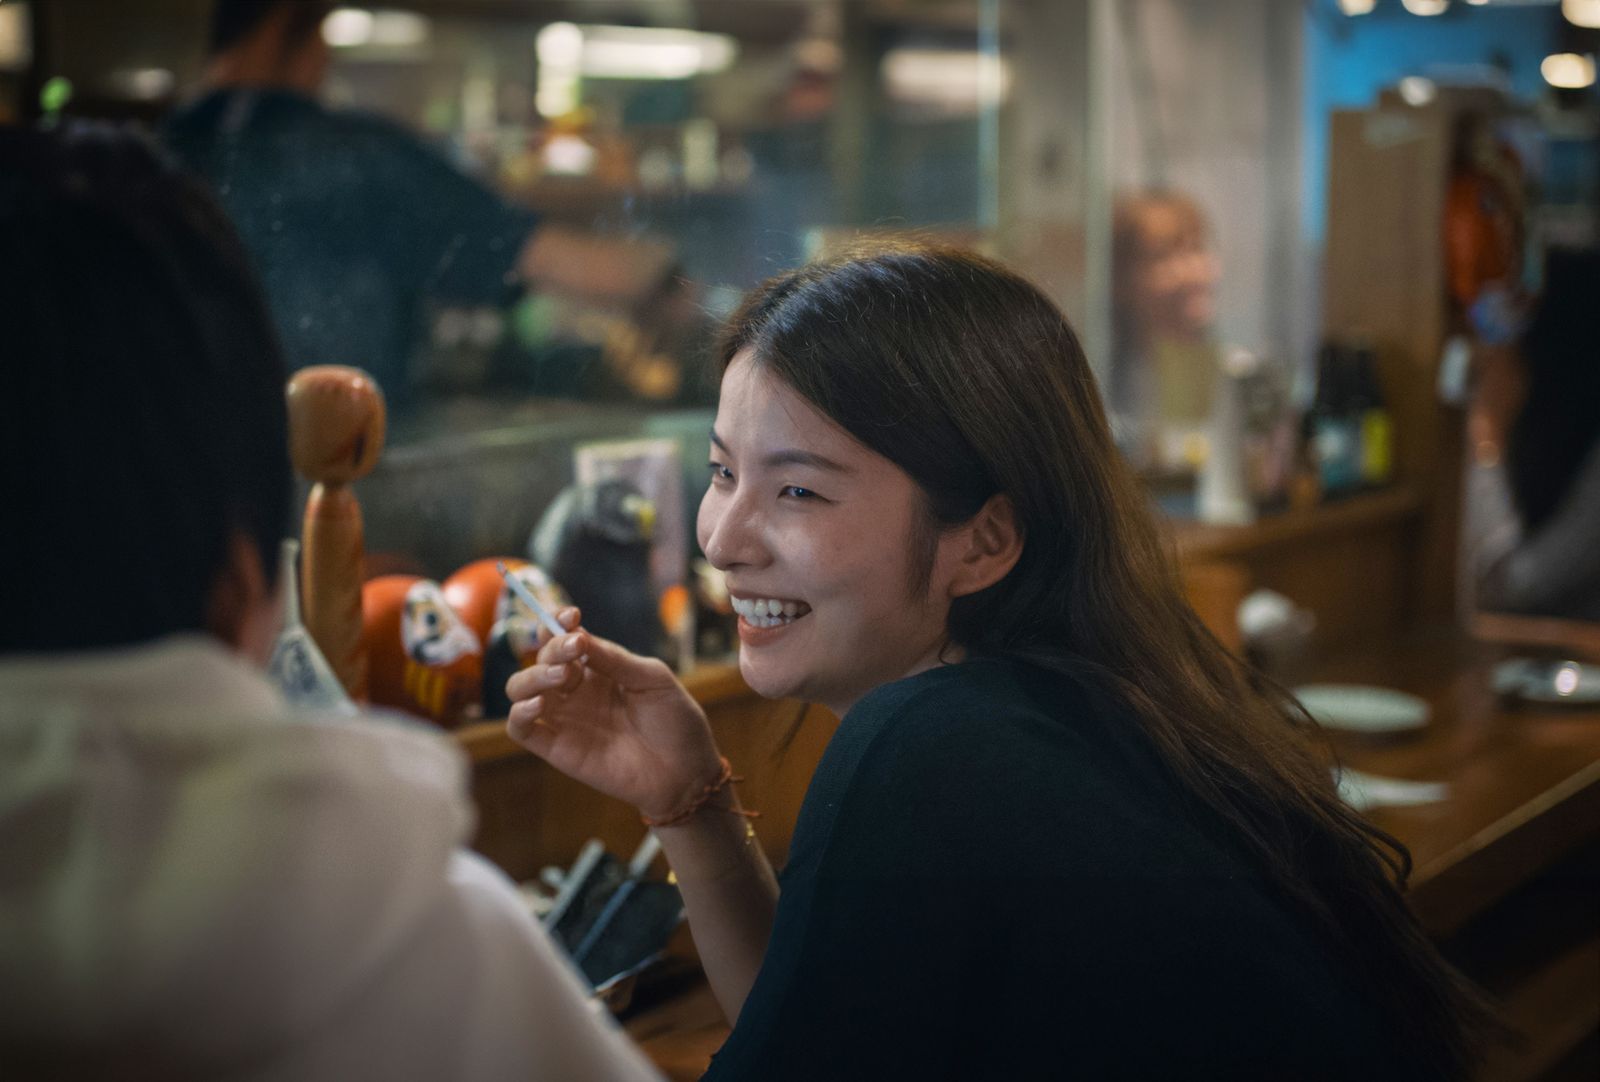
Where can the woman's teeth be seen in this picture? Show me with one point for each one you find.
(769, 612)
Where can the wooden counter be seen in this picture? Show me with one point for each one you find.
(1311, 557)
(1524, 779)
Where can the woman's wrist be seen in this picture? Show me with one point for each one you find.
(714, 794)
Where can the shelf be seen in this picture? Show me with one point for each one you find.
(1198, 541)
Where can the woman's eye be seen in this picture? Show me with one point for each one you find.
(798, 493)
(719, 471)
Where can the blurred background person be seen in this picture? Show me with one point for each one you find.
(1164, 304)
(354, 222)
(1545, 560)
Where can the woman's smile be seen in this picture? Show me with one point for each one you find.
(768, 611)
(763, 620)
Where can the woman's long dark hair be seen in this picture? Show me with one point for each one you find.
(972, 382)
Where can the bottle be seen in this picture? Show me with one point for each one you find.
(1376, 424)
(1334, 429)
(297, 666)
(1224, 490)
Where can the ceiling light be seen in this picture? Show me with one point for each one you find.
(955, 80)
(633, 52)
(357, 28)
(347, 28)
(1418, 91)
(1426, 7)
(1582, 12)
(648, 52)
(559, 45)
(1357, 7)
(142, 84)
(400, 29)
(15, 37)
(1568, 71)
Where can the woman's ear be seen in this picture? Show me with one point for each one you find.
(242, 611)
(985, 548)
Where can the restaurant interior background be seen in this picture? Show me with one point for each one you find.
(1288, 232)
(749, 134)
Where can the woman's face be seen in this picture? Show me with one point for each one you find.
(816, 535)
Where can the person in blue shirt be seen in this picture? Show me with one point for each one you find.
(355, 223)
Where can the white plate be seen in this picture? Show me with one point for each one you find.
(1358, 709)
(1364, 791)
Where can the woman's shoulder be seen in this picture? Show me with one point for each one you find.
(969, 746)
(969, 698)
(990, 708)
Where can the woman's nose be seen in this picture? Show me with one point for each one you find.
(730, 532)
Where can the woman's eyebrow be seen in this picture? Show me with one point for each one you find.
(791, 456)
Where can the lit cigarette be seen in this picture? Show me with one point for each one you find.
(555, 629)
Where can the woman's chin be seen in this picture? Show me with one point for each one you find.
(763, 680)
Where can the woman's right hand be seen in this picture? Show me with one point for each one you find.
(613, 720)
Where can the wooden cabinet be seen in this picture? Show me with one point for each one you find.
(1384, 282)
(1354, 564)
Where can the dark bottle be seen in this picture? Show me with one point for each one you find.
(1333, 425)
(1372, 417)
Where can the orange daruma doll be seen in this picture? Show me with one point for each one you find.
(336, 431)
(425, 660)
(507, 628)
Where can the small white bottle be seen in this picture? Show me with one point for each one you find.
(297, 666)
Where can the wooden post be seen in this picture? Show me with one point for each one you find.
(336, 432)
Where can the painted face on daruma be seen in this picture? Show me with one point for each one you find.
(816, 535)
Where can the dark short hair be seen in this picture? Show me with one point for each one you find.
(143, 409)
(232, 21)
(1559, 424)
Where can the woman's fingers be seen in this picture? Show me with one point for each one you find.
(605, 657)
(527, 726)
(541, 677)
(570, 618)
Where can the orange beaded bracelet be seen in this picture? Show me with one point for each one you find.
(724, 779)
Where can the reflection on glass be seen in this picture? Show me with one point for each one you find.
(1164, 307)
(740, 140)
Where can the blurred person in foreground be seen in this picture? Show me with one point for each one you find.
(1536, 430)
(354, 222)
(199, 880)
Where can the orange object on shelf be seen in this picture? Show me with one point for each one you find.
(337, 422)
(423, 657)
(475, 591)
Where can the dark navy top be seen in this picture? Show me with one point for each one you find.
(992, 878)
(353, 223)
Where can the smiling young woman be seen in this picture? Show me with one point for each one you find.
(1060, 831)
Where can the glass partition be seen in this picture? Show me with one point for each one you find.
(740, 137)
(1139, 159)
